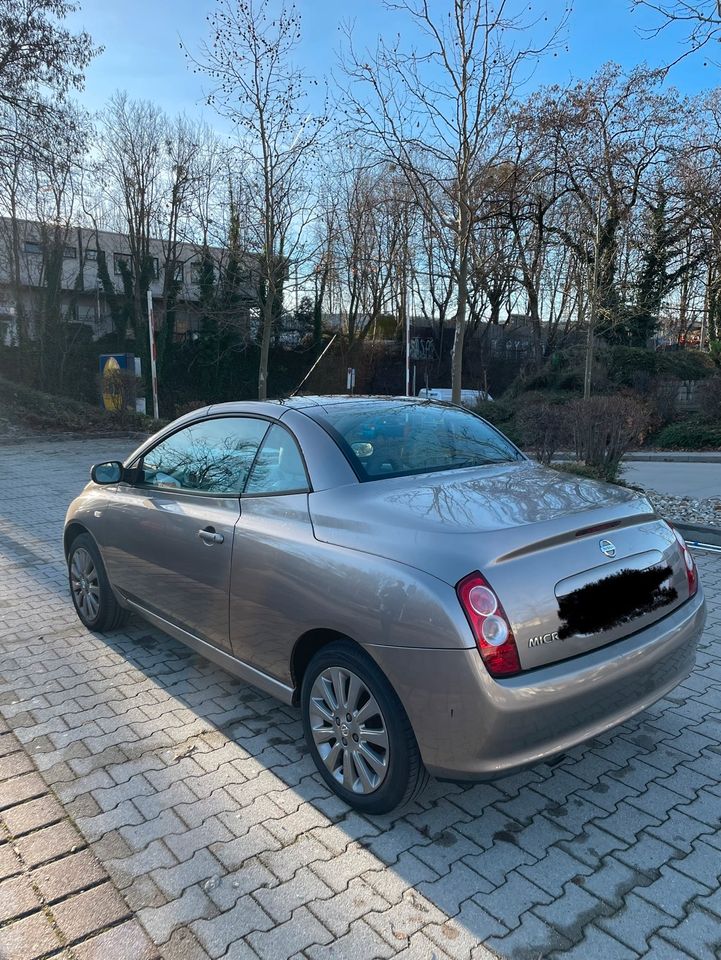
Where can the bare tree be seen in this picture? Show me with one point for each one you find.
(132, 140)
(255, 85)
(40, 63)
(700, 18)
(434, 112)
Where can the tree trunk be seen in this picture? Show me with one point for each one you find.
(265, 342)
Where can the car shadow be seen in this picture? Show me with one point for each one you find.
(526, 865)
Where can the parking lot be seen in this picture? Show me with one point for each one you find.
(194, 793)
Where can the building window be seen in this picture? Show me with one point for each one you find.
(91, 254)
(70, 253)
(178, 273)
(33, 246)
(118, 259)
(196, 271)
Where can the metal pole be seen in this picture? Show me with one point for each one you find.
(408, 353)
(592, 317)
(153, 369)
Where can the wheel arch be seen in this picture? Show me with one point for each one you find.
(71, 532)
(305, 648)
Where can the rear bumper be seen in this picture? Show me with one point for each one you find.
(469, 726)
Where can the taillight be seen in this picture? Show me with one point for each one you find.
(490, 625)
(689, 562)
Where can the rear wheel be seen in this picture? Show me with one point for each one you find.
(358, 732)
(93, 597)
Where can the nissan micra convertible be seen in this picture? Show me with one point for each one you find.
(434, 601)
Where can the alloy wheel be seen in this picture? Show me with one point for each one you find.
(85, 584)
(349, 730)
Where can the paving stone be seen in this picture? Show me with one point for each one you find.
(280, 900)
(88, 912)
(15, 765)
(570, 913)
(459, 936)
(360, 943)
(698, 935)
(144, 892)
(512, 899)
(636, 922)
(28, 939)
(216, 934)
(450, 891)
(8, 744)
(612, 881)
(234, 853)
(299, 932)
(307, 850)
(32, 815)
(226, 891)
(183, 945)
(49, 843)
(702, 864)
(495, 864)
(201, 866)
(672, 892)
(16, 898)
(9, 862)
(127, 941)
(22, 788)
(400, 921)
(596, 943)
(182, 911)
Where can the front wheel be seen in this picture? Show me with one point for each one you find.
(357, 731)
(93, 597)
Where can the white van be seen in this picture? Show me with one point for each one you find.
(469, 398)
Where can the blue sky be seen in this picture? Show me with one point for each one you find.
(142, 53)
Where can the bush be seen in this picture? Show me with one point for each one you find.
(696, 433)
(709, 396)
(684, 364)
(25, 407)
(605, 428)
(542, 426)
(583, 470)
(501, 414)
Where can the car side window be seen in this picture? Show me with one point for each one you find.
(211, 456)
(278, 468)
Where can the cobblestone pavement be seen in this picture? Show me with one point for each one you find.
(194, 793)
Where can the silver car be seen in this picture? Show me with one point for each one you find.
(434, 601)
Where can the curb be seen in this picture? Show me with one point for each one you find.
(661, 456)
(710, 456)
(703, 537)
(56, 437)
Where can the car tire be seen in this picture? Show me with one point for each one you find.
(93, 597)
(371, 761)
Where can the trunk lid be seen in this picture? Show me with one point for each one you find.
(535, 534)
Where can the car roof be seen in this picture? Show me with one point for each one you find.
(275, 408)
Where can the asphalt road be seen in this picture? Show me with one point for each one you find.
(697, 480)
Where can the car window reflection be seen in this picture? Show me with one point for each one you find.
(278, 468)
(210, 457)
(395, 440)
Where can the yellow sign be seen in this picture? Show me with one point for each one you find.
(112, 386)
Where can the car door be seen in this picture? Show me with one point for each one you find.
(273, 540)
(170, 535)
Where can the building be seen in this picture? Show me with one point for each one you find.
(83, 300)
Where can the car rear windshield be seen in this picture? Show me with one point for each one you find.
(397, 439)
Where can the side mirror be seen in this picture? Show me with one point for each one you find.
(104, 473)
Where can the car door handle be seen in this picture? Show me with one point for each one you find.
(209, 536)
